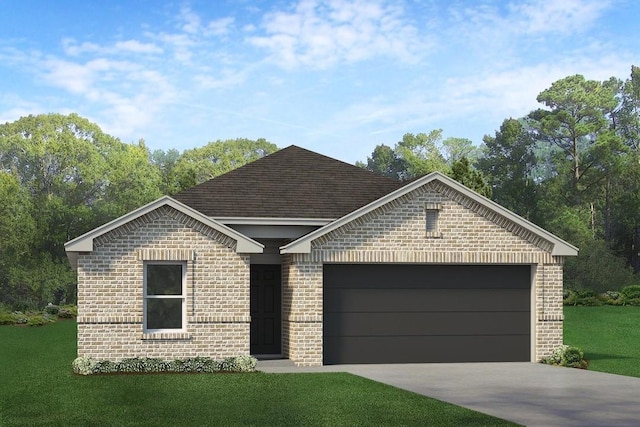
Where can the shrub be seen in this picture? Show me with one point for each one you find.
(38, 320)
(51, 309)
(584, 297)
(68, 312)
(631, 295)
(87, 365)
(7, 318)
(84, 365)
(239, 364)
(568, 356)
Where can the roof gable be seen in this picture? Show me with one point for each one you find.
(85, 242)
(456, 191)
(290, 183)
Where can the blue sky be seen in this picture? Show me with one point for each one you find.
(337, 77)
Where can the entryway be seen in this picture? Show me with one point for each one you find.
(266, 302)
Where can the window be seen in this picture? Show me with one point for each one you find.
(432, 213)
(432, 221)
(164, 296)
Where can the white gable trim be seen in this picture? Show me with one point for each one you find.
(84, 243)
(303, 244)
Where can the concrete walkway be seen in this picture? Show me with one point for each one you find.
(526, 393)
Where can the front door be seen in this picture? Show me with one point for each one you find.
(265, 309)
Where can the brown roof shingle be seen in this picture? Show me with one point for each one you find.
(290, 183)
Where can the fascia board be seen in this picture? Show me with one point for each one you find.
(303, 244)
(273, 221)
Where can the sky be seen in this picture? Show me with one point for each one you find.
(337, 77)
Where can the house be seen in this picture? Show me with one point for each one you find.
(301, 256)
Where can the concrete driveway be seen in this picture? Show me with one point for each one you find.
(526, 393)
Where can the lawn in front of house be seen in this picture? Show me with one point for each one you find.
(608, 335)
(38, 388)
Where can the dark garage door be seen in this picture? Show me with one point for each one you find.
(426, 313)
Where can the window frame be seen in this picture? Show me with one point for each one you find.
(182, 296)
(433, 210)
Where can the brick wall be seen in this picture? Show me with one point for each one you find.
(468, 233)
(110, 290)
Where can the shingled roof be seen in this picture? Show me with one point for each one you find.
(290, 183)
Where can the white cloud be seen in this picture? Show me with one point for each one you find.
(557, 16)
(134, 46)
(319, 34)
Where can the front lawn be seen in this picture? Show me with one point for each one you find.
(608, 335)
(38, 388)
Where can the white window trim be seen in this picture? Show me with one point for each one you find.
(183, 296)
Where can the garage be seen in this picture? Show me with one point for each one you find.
(399, 313)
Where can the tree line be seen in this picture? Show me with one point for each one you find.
(572, 167)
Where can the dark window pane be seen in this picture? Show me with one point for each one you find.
(432, 221)
(164, 279)
(164, 313)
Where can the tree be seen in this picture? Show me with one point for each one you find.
(455, 149)
(166, 161)
(462, 172)
(385, 161)
(508, 160)
(422, 153)
(201, 164)
(626, 119)
(578, 111)
(72, 178)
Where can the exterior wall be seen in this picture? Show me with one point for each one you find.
(468, 233)
(110, 291)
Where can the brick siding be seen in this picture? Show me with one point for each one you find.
(110, 291)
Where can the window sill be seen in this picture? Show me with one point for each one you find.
(149, 336)
(433, 235)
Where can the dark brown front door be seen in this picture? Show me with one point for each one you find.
(265, 309)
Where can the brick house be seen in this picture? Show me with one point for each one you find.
(301, 256)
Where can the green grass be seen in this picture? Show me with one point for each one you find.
(608, 335)
(38, 388)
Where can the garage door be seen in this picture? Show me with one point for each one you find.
(426, 313)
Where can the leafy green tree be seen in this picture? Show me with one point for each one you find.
(422, 153)
(201, 164)
(508, 160)
(166, 161)
(462, 172)
(578, 114)
(72, 178)
(385, 161)
(455, 149)
(626, 119)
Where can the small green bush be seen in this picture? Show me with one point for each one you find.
(7, 318)
(38, 320)
(631, 292)
(568, 356)
(87, 365)
(51, 309)
(68, 312)
(84, 365)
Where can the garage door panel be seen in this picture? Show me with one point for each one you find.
(434, 349)
(395, 313)
(426, 324)
(415, 300)
(434, 277)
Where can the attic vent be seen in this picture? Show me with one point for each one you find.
(432, 212)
